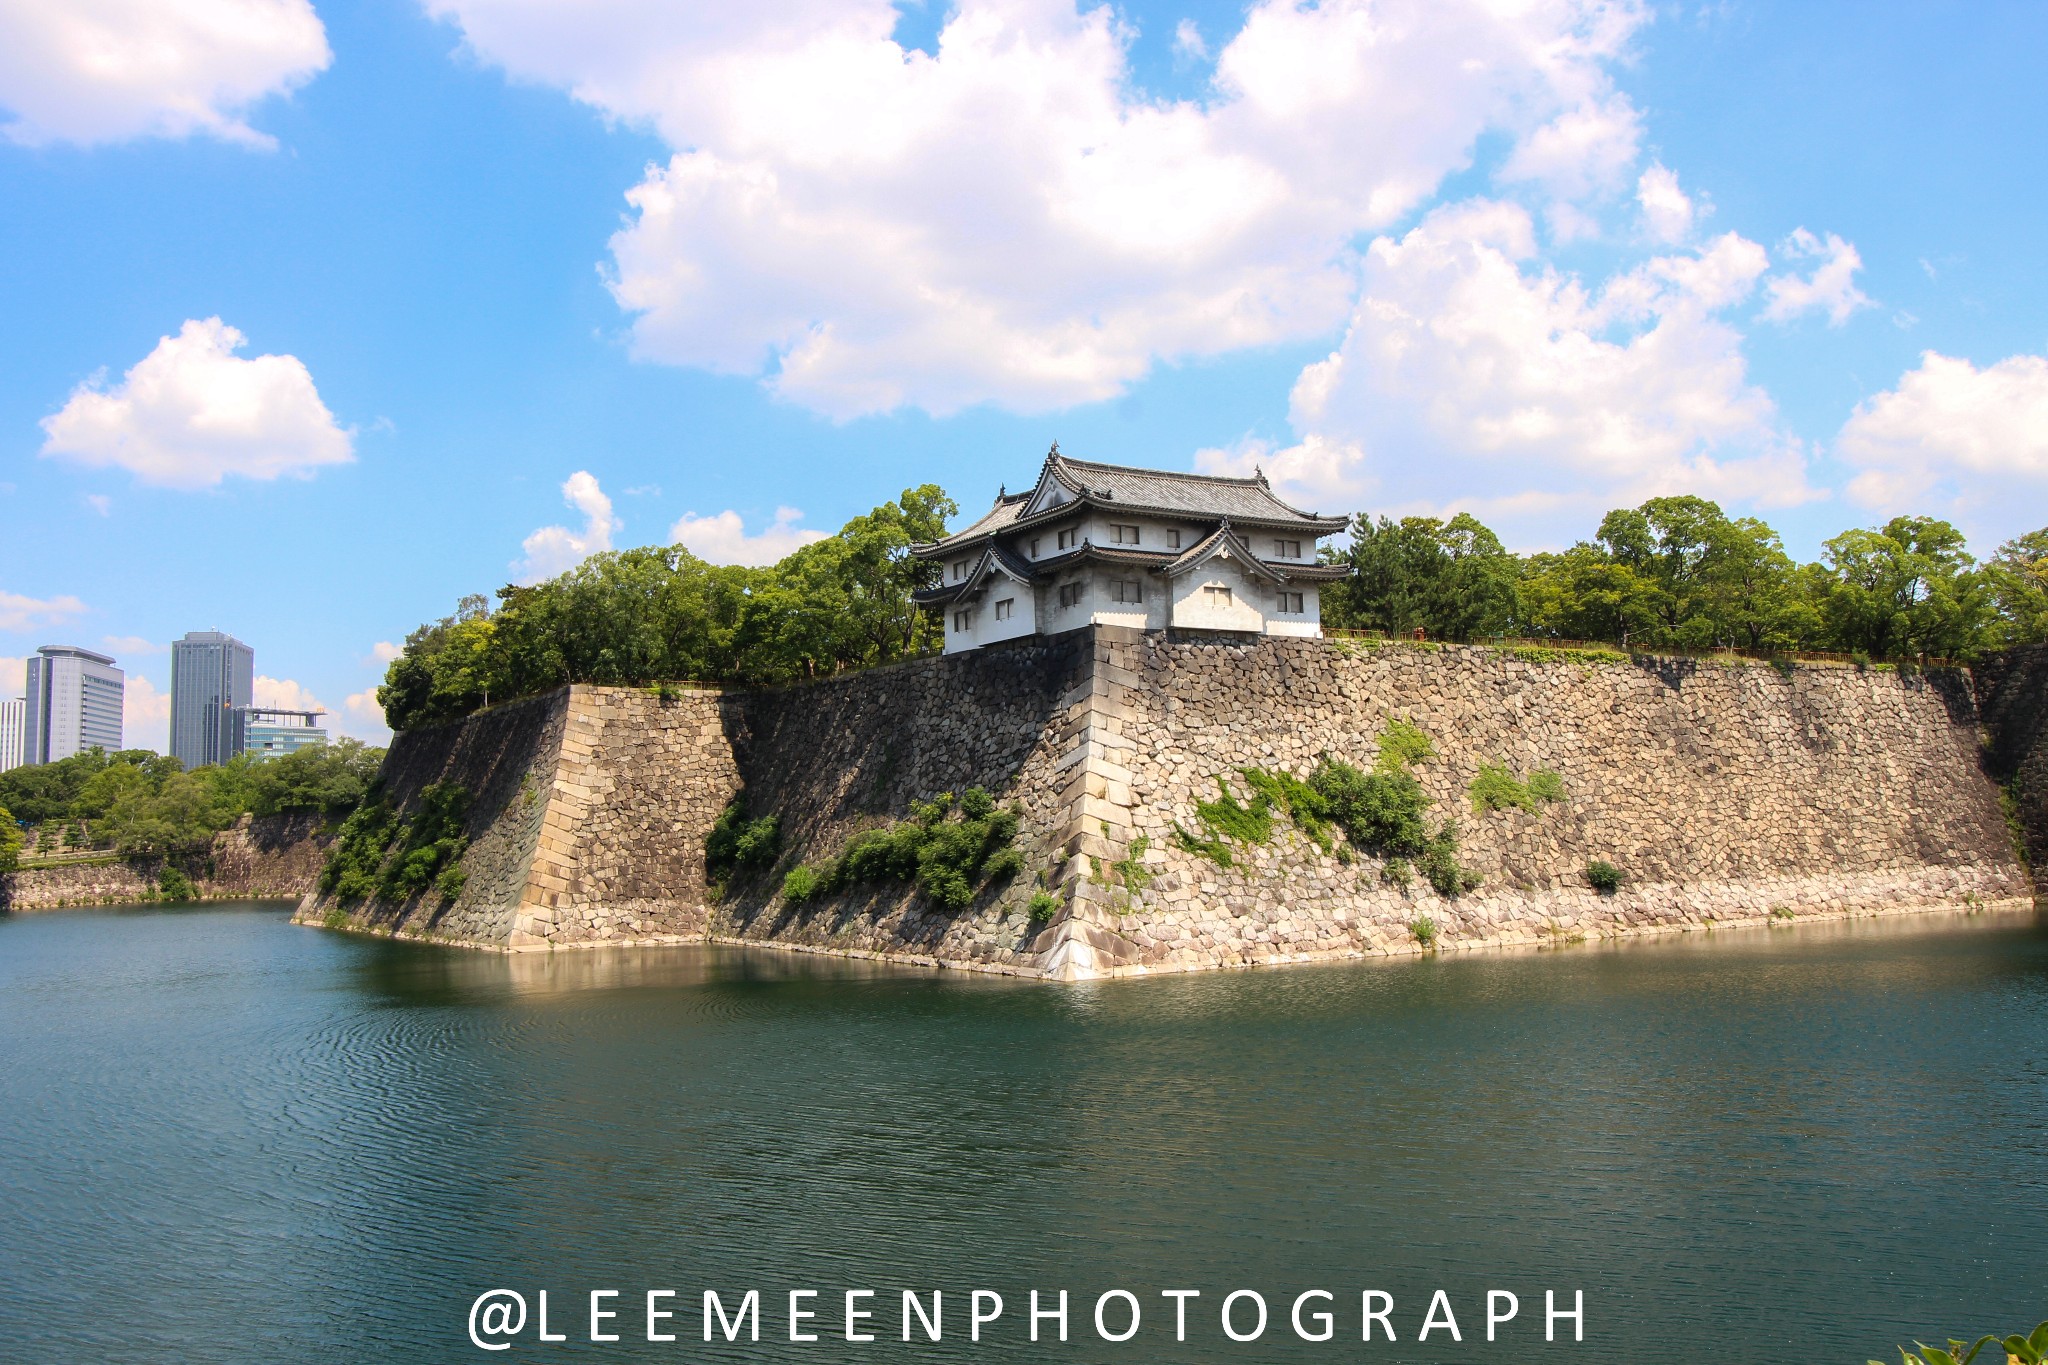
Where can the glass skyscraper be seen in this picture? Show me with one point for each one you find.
(73, 704)
(213, 678)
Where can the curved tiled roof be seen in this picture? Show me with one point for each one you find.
(1157, 492)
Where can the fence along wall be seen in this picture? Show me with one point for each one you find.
(1723, 792)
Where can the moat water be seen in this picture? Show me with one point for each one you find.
(225, 1138)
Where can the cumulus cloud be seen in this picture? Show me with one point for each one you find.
(285, 694)
(1468, 363)
(384, 651)
(1667, 209)
(192, 412)
(13, 677)
(87, 71)
(722, 539)
(557, 549)
(132, 644)
(1013, 220)
(26, 613)
(145, 715)
(363, 717)
(1830, 288)
(1952, 427)
(1188, 43)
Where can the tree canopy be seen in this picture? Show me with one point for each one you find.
(660, 613)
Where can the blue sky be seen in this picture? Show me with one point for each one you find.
(319, 318)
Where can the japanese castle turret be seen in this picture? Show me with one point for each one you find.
(1103, 544)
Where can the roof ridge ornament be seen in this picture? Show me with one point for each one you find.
(1259, 472)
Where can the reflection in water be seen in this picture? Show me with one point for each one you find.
(232, 1139)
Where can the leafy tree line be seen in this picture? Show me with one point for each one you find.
(631, 617)
(1679, 572)
(143, 802)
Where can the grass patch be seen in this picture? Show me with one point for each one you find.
(1497, 788)
(1403, 744)
(1424, 930)
(948, 858)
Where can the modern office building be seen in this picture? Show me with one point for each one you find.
(213, 680)
(13, 727)
(268, 733)
(73, 704)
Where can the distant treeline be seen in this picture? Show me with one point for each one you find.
(136, 801)
(1673, 573)
(1679, 573)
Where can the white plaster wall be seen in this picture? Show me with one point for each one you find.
(1249, 604)
(1309, 623)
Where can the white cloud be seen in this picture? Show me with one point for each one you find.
(26, 613)
(384, 651)
(557, 549)
(1585, 151)
(100, 503)
(145, 715)
(285, 694)
(1013, 220)
(132, 644)
(722, 539)
(1830, 289)
(1667, 210)
(90, 71)
(363, 717)
(13, 677)
(1952, 427)
(1188, 44)
(1466, 366)
(191, 412)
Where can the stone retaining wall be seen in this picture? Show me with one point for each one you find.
(272, 856)
(2013, 691)
(1723, 793)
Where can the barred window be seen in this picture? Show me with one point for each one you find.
(1290, 604)
(959, 569)
(1216, 595)
(1070, 593)
(962, 620)
(1034, 547)
(1287, 549)
(1003, 608)
(1173, 540)
(1070, 537)
(1123, 535)
(1127, 590)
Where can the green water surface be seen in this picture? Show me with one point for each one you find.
(226, 1138)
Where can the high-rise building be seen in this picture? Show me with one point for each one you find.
(13, 724)
(213, 678)
(73, 704)
(268, 733)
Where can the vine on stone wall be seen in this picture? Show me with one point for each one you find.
(950, 859)
(378, 855)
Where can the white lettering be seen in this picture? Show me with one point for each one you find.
(1059, 1313)
(544, 1334)
(750, 1308)
(653, 1313)
(1128, 1297)
(1232, 1332)
(598, 1315)
(1514, 1307)
(1430, 1321)
(912, 1304)
(974, 1314)
(797, 1315)
(1323, 1319)
(1180, 1299)
(1550, 1314)
(1383, 1314)
(856, 1318)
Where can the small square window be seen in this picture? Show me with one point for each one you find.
(1034, 547)
(1216, 595)
(1003, 608)
(1290, 604)
(959, 569)
(1070, 537)
(962, 620)
(1173, 540)
(1127, 590)
(1070, 593)
(1123, 535)
(1287, 549)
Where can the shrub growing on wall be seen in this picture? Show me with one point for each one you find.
(950, 860)
(736, 843)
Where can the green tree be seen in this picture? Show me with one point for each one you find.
(180, 816)
(10, 842)
(1453, 579)
(1909, 587)
(2018, 579)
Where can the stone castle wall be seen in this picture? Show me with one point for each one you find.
(268, 856)
(1723, 793)
(2013, 691)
